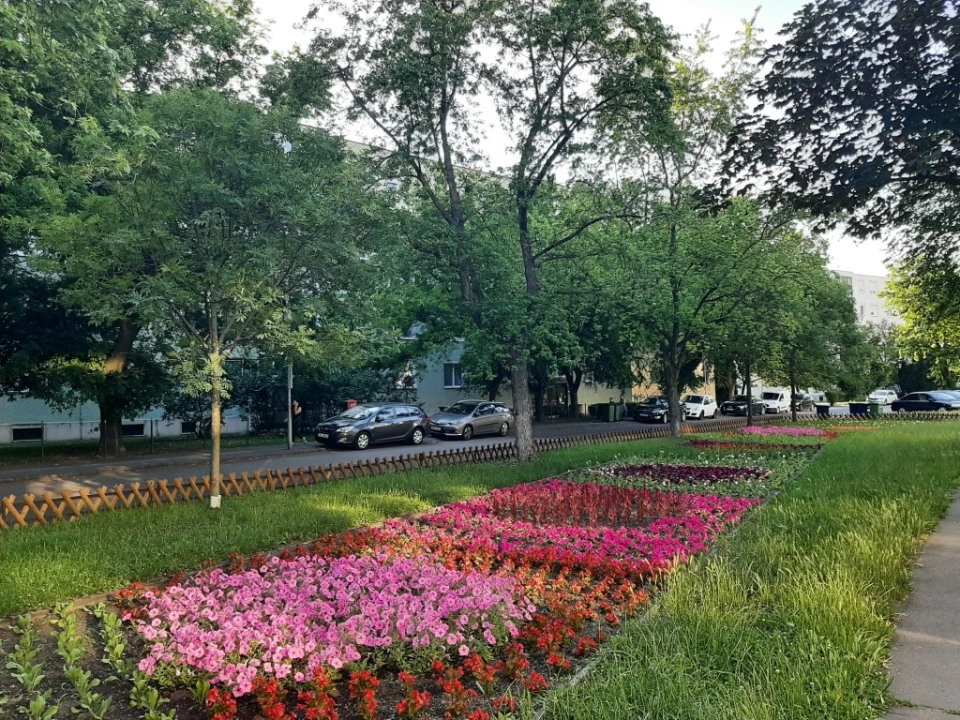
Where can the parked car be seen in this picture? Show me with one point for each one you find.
(803, 402)
(700, 406)
(472, 417)
(934, 400)
(775, 402)
(656, 409)
(882, 396)
(365, 424)
(738, 406)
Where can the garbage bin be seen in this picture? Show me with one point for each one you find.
(823, 410)
(860, 408)
(875, 409)
(611, 413)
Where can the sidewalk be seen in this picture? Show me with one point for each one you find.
(925, 667)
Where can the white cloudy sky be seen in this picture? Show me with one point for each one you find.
(684, 16)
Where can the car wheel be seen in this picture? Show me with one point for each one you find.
(362, 441)
(468, 432)
(504, 429)
(416, 437)
(714, 416)
(665, 421)
(941, 409)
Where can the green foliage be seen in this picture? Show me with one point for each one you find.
(926, 298)
(841, 129)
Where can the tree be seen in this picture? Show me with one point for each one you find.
(856, 120)
(814, 325)
(80, 69)
(561, 71)
(690, 266)
(927, 299)
(231, 227)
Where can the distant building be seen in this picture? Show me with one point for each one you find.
(27, 419)
(871, 308)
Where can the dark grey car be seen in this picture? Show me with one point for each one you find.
(472, 417)
(370, 423)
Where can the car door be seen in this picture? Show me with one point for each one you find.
(914, 402)
(385, 425)
(484, 418)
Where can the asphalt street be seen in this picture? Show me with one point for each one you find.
(92, 475)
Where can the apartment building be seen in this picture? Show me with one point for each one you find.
(867, 290)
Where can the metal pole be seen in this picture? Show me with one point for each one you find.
(43, 433)
(151, 436)
(289, 406)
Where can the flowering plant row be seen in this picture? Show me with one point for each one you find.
(680, 475)
(288, 619)
(740, 447)
(480, 597)
(786, 431)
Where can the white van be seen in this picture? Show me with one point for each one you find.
(775, 402)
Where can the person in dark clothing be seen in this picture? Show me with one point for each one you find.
(296, 412)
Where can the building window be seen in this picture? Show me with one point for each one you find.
(32, 433)
(188, 427)
(452, 375)
(134, 430)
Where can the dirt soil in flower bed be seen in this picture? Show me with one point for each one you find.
(484, 603)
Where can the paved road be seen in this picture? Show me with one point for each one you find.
(93, 475)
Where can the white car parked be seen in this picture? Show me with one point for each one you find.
(882, 396)
(776, 402)
(699, 407)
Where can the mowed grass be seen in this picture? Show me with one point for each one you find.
(43, 565)
(791, 618)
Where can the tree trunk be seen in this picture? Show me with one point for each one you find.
(215, 429)
(540, 391)
(573, 376)
(111, 402)
(793, 393)
(671, 379)
(520, 379)
(749, 383)
(493, 386)
(111, 427)
(215, 407)
(520, 372)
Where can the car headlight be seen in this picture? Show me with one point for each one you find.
(343, 430)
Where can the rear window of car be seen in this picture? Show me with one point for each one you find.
(693, 399)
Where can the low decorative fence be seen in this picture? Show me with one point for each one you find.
(70, 505)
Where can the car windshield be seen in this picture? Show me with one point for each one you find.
(773, 396)
(654, 402)
(740, 398)
(695, 399)
(360, 412)
(945, 395)
(461, 408)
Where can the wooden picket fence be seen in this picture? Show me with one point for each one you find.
(70, 505)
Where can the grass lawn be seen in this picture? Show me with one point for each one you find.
(791, 617)
(43, 565)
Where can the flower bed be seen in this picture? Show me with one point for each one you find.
(289, 619)
(685, 475)
(750, 447)
(497, 593)
(785, 431)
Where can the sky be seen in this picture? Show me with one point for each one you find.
(685, 17)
